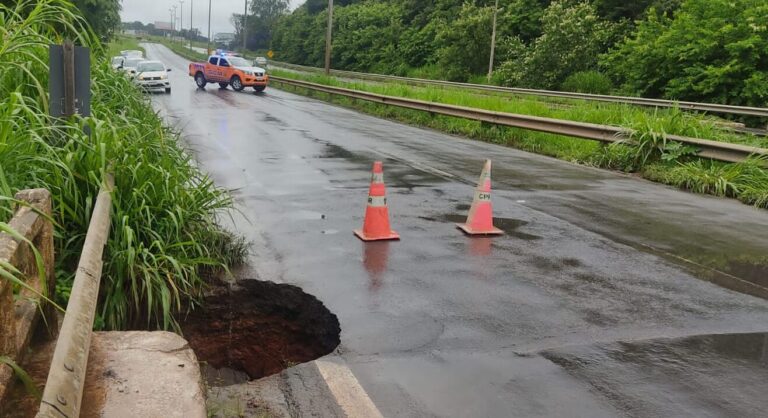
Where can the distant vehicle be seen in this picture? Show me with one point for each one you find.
(117, 62)
(130, 64)
(260, 62)
(223, 40)
(227, 70)
(152, 76)
(132, 53)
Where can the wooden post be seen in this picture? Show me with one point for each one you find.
(69, 78)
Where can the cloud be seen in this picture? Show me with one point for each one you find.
(150, 11)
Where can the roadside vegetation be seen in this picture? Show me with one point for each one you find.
(654, 157)
(697, 50)
(165, 234)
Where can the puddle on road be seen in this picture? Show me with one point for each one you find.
(256, 328)
(508, 225)
(375, 261)
(396, 174)
(702, 375)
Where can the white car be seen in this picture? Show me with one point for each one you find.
(130, 64)
(260, 62)
(132, 53)
(152, 76)
(117, 62)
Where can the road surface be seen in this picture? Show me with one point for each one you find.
(597, 301)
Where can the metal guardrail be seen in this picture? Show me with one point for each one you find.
(64, 389)
(721, 151)
(637, 101)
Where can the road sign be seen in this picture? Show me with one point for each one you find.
(270, 54)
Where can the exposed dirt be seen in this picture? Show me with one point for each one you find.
(259, 328)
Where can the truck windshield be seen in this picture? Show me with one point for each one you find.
(238, 62)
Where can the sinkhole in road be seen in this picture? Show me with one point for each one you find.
(252, 329)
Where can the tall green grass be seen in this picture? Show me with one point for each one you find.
(165, 232)
(650, 153)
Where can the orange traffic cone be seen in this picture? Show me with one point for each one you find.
(480, 219)
(376, 225)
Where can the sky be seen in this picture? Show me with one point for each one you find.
(149, 11)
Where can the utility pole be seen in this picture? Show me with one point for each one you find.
(173, 25)
(245, 22)
(191, 10)
(181, 22)
(493, 40)
(209, 27)
(328, 38)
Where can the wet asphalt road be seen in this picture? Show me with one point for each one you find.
(584, 308)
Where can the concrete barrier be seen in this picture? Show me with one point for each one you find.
(20, 314)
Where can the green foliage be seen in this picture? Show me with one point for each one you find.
(700, 50)
(713, 50)
(103, 16)
(465, 42)
(522, 18)
(593, 82)
(572, 38)
(300, 37)
(164, 231)
(367, 37)
(618, 10)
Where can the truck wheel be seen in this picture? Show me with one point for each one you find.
(200, 80)
(259, 88)
(167, 90)
(236, 83)
(223, 85)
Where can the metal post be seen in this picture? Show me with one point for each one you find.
(328, 38)
(191, 10)
(181, 22)
(69, 78)
(245, 22)
(493, 41)
(173, 19)
(209, 27)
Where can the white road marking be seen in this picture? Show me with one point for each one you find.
(350, 396)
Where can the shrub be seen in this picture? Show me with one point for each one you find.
(592, 82)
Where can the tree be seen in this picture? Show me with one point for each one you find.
(712, 50)
(367, 37)
(465, 42)
(102, 15)
(572, 38)
(268, 10)
(617, 10)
